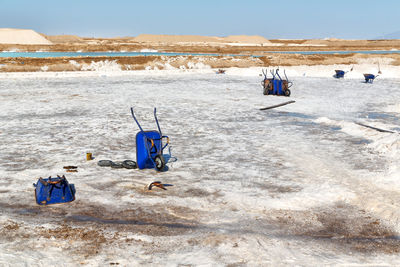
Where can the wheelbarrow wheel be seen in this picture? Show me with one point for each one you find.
(160, 162)
(104, 163)
(129, 164)
(117, 165)
(287, 92)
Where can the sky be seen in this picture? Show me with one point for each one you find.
(291, 19)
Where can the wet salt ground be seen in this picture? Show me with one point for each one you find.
(250, 187)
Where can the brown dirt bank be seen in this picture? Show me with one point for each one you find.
(161, 62)
(124, 44)
(20, 64)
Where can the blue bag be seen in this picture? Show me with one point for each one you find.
(54, 190)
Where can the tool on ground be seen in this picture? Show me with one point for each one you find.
(157, 184)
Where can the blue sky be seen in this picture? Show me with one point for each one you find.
(350, 19)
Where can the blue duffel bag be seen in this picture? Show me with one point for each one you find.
(54, 190)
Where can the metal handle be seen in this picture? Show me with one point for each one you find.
(133, 115)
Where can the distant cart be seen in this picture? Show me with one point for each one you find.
(369, 78)
(276, 85)
(339, 74)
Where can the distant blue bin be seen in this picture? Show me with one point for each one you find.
(369, 78)
(54, 190)
(339, 74)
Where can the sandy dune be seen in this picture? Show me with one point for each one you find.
(198, 38)
(173, 38)
(64, 39)
(254, 39)
(21, 36)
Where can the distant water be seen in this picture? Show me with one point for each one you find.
(134, 54)
(336, 52)
(96, 54)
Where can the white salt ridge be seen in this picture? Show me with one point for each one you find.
(319, 71)
(148, 50)
(197, 65)
(102, 66)
(74, 63)
(11, 51)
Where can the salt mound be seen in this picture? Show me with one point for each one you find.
(254, 39)
(174, 38)
(21, 36)
(64, 38)
(335, 41)
(197, 39)
(104, 66)
(317, 42)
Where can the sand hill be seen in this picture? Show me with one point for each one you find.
(335, 41)
(254, 39)
(64, 39)
(174, 38)
(198, 39)
(22, 36)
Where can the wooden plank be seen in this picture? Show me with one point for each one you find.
(374, 128)
(279, 105)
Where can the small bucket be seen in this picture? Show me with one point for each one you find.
(89, 156)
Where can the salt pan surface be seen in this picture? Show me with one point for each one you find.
(297, 185)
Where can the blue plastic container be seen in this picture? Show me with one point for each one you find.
(148, 143)
(278, 87)
(339, 74)
(53, 191)
(369, 78)
(149, 146)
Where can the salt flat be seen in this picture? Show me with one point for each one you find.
(297, 185)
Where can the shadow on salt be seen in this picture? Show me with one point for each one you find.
(85, 218)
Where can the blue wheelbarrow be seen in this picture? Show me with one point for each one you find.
(54, 190)
(276, 85)
(339, 74)
(149, 146)
(369, 78)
